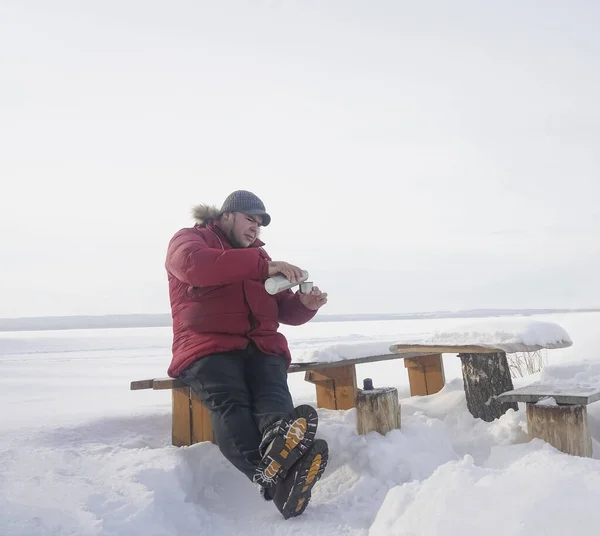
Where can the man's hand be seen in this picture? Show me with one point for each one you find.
(291, 272)
(314, 299)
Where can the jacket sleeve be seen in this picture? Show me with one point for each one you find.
(291, 310)
(191, 260)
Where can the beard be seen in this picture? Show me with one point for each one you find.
(234, 241)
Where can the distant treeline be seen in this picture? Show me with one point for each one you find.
(164, 320)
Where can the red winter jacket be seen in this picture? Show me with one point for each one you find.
(218, 299)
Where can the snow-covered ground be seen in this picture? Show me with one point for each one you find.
(81, 454)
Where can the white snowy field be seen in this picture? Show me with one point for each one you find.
(81, 454)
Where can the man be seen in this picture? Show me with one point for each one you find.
(227, 348)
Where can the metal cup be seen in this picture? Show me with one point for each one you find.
(306, 287)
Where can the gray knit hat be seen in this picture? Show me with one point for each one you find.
(246, 202)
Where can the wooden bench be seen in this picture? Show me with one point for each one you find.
(564, 423)
(485, 372)
(335, 384)
(336, 387)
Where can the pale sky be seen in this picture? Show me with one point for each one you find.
(414, 156)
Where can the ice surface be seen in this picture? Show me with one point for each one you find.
(82, 454)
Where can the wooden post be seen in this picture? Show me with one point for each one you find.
(201, 423)
(336, 386)
(377, 410)
(181, 420)
(564, 427)
(485, 376)
(425, 374)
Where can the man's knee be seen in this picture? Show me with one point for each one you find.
(218, 380)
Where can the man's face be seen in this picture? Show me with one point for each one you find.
(244, 229)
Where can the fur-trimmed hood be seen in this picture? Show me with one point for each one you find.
(205, 214)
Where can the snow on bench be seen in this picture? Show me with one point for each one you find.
(482, 346)
(508, 335)
(484, 335)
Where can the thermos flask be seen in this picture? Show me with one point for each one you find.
(279, 282)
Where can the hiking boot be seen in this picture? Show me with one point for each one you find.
(292, 494)
(284, 444)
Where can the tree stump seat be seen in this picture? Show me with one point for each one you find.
(557, 414)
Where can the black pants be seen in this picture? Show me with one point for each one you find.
(246, 391)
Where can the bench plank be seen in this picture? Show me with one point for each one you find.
(167, 383)
(141, 384)
(156, 383)
(443, 349)
(563, 394)
(315, 365)
(172, 383)
(449, 348)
